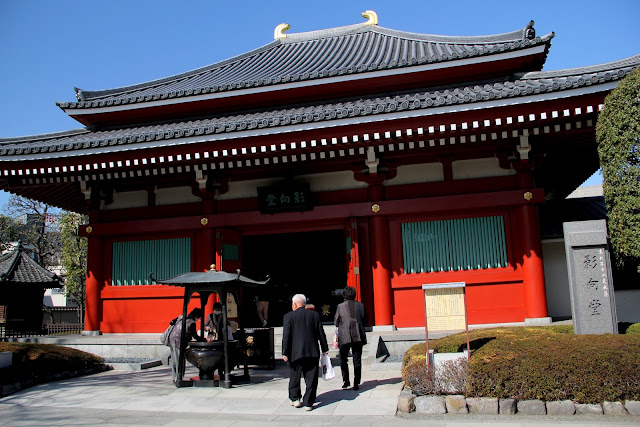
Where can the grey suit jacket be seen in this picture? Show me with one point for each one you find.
(350, 320)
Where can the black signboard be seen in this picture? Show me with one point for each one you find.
(285, 198)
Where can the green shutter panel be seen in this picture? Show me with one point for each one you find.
(133, 261)
(454, 245)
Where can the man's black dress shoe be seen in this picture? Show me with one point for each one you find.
(345, 385)
(356, 387)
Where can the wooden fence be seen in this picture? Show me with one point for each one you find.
(6, 331)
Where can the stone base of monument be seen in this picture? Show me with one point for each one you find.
(436, 359)
(437, 362)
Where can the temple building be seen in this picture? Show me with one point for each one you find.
(357, 155)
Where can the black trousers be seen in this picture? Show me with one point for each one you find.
(356, 350)
(306, 367)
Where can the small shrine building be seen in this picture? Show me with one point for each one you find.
(358, 155)
(22, 285)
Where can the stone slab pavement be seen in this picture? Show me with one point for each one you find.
(148, 397)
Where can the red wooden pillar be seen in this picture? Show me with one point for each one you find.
(535, 298)
(95, 280)
(380, 265)
(380, 255)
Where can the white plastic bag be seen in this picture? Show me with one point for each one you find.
(327, 368)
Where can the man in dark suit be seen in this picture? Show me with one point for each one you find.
(301, 332)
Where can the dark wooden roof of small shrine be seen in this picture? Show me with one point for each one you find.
(316, 55)
(18, 268)
(84, 141)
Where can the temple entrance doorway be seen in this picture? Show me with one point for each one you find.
(312, 263)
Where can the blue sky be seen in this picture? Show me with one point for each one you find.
(48, 47)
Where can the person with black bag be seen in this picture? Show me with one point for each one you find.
(350, 320)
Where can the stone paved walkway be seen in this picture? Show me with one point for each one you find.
(148, 397)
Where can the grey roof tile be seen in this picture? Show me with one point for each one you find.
(313, 55)
(556, 212)
(526, 85)
(17, 268)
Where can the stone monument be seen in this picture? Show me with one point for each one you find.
(593, 305)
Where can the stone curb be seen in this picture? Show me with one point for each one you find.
(135, 366)
(7, 389)
(458, 404)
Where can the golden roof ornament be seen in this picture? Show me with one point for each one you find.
(372, 17)
(278, 33)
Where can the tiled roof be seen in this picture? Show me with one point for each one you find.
(17, 268)
(300, 57)
(529, 84)
(554, 213)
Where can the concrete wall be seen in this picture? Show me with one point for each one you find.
(143, 346)
(627, 305)
(557, 286)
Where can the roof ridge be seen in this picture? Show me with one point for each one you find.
(325, 33)
(630, 61)
(44, 136)
(11, 265)
(511, 36)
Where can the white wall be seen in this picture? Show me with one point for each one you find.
(411, 174)
(56, 298)
(317, 182)
(479, 168)
(127, 199)
(556, 279)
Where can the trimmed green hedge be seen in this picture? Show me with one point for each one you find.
(39, 362)
(548, 363)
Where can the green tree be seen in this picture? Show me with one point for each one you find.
(618, 137)
(9, 232)
(74, 259)
(36, 225)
